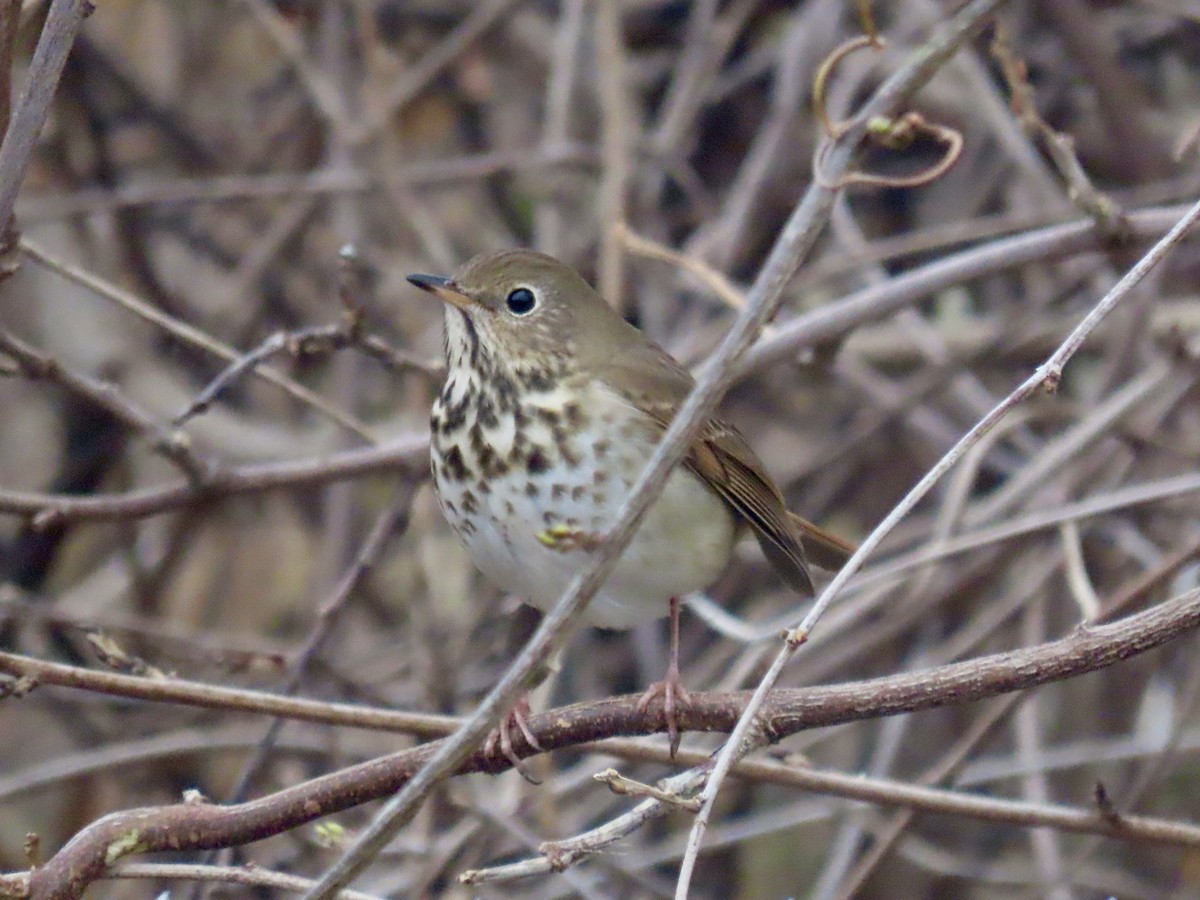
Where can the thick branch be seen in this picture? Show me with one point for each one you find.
(787, 711)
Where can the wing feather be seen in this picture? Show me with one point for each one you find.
(652, 381)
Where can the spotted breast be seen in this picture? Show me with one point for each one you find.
(530, 470)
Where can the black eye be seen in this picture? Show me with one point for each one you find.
(521, 301)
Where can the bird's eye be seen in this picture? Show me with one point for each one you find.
(520, 301)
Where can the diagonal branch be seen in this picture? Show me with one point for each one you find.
(1046, 377)
(207, 826)
(793, 245)
(58, 34)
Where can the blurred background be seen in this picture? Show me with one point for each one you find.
(209, 161)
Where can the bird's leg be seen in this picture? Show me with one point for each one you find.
(522, 625)
(671, 688)
(501, 738)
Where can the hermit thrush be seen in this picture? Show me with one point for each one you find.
(552, 404)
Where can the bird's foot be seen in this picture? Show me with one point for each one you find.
(564, 538)
(500, 741)
(674, 695)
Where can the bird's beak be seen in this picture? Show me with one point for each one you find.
(444, 289)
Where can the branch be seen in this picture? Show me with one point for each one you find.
(880, 791)
(407, 457)
(251, 876)
(834, 160)
(58, 34)
(190, 334)
(191, 827)
(795, 242)
(172, 444)
(1047, 378)
(36, 672)
(565, 154)
(878, 301)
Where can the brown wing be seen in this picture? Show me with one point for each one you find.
(652, 381)
(727, 464)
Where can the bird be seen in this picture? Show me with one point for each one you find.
(551, 406)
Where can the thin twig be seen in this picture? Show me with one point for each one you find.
(200, 826)
(63, 21)
(171, 444)
(875, 302)
(317, 340)
(223, 188)
(925, 62)
(627, 787)
(616, 125)
(1046, 377)
(712, 279)
(1059, 147)
(250, 876)
(210, 696)
(190, 334)
(409, 456)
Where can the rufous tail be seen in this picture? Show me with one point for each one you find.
(822, 548)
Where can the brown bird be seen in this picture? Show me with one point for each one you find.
(551, 407)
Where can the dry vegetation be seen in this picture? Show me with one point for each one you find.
(162, 588)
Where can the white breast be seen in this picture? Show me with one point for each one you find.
(682, 545)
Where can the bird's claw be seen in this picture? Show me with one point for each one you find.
(674, 696)
(500, 741)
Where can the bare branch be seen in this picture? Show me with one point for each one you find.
(207, 826)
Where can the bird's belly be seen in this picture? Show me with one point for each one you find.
(532, 541)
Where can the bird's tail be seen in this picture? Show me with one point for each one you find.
(822, 548)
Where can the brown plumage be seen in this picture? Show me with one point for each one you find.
(656, 384)
(551, 407)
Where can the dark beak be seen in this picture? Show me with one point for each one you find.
(444, 289)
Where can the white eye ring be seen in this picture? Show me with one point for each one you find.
(521, 301)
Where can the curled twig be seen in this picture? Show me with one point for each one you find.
(835, 130)
(896, 134)
(892, 133)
